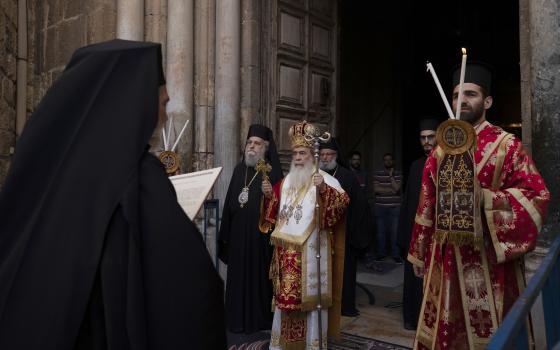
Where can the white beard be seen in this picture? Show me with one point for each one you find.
(251, 158)
(328, 166)
(300, 176)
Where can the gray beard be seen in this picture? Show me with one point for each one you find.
(252, 159)
(300, 176)
(328, 166)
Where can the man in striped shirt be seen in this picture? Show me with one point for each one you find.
(387, 187)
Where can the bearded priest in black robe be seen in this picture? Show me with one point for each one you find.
(245, 249)
(412, 287)
(357, 221)
(95, 251)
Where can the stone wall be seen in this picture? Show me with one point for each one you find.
(59, 28)
(8, 50)
(55, 29)
(544, 26)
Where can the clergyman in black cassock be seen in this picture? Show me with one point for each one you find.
(412, 286)
(358, 222)
(95, 252)
(242, 246)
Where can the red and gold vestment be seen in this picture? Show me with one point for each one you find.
(470, 284)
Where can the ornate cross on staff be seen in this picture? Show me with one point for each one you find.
(264, 168)
(313, 135)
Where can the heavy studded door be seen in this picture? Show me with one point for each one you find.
(300, 55)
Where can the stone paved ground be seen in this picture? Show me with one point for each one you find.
(379, 321)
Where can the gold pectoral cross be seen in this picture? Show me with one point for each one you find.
(264, 168)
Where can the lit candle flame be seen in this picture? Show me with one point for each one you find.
(464, 50)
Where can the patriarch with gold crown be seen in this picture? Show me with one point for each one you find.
(289, 212)
(481, 207)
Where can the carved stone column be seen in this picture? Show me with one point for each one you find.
(204, 48)
(179, 75)
(228, 47)
(130, 19)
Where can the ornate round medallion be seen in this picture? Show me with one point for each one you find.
(243, 196)
(455, 136)
(170, 160)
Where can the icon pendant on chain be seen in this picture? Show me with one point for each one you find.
(243, 196)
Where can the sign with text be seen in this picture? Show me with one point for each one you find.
(193, 188)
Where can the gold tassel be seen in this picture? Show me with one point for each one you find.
(279, 242)
(459, 238)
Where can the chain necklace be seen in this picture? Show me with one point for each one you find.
(293, 207)
(244, 195)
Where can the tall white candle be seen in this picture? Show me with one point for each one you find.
(179, 137)
(164, 139)
(438, 85)
(169, 126)
(461, 83)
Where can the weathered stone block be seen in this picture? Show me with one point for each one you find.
(73, 8)
(9, 91)
(50, 44)
(2, 25)
(55, 74)
(37, 11)
(71, 35)
(7, 141)
(10, 8)
(101, 24)
(29, 103)
(54, 12)
(7, 116)
(8, 42)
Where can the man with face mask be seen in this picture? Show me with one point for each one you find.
(481, 207)
(357, 221)
(412, 287)
(245, 249)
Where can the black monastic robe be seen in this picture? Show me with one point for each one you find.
(95, 251)
(248, 253)
(357, 233)
(412, 288)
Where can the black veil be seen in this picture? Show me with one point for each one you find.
(80, 210)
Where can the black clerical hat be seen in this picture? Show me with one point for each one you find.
(259, 131)
(428, 123)
(332, 144)
(476, 72)
(266, 134)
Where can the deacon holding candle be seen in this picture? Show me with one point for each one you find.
(246, 250)
(469, 240)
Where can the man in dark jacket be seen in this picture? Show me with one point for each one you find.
(412, 288)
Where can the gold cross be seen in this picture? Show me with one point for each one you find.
(264, 168)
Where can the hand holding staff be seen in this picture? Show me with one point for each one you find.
(314, 135)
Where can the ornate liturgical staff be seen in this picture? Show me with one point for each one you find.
(313, 134)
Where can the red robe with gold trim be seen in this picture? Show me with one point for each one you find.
(293, 267)
(468, 290)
